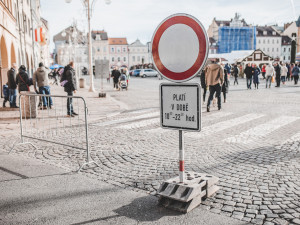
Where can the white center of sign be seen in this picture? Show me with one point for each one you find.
(178, 48)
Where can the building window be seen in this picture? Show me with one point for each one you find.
(124, 49)
(272, 49)
(258, 41)
(283, 49)
(133, 58)
(138, 58)
(113, 59)
(268, 50)
(289, 57)
(98, 49)
(263, 41)
(277, 41)
(289, 49)
(277, 49)
(273, 41)
(265, 32)
(274, 33)
(119, 59)
(268, 41)
(124, 59)
(112, 50)
(283, 57)
(118, 50)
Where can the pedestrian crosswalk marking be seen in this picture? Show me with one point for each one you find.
(261, 130)
(139, 124)
(125, 120)
(217, 127)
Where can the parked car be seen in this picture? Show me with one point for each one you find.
(136, 73)
(148, 73)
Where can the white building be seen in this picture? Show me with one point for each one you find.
(118, 52)
(286, 45)
(100, 45)
(269, 41)
(138, 53)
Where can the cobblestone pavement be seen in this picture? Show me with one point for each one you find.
(252, 145)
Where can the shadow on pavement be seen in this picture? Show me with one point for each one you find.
(96, 220)
(145, 209)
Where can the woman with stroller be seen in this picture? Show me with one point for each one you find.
(123, 80)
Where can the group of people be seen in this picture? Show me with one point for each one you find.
(120, 76)
(40, 82)
(278, 72)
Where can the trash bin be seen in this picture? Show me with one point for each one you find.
(28, 105)
(82, 83)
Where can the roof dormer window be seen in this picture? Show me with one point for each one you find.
(98, 37)
(265, 32)
(274, 33)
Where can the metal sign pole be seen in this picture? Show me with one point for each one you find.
(181, 157)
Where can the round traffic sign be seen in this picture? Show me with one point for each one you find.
(179, 47)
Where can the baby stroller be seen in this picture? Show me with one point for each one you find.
(123, 82)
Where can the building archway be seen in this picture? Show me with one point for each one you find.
(3, 63)
(13, 58)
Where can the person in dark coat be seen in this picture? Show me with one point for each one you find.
(236, 74)
(22, 79)
(12, 86)
(5, 94)
(225, 84)
(70, 87)
(116, 75)
(249, 71)
(278, 74)
(203, 85)
(295, 73)
(256, 76)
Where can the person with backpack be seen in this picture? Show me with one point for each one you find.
(203, 85)
(40, 78)
(236, 72)
(68, 81)
(22, 79)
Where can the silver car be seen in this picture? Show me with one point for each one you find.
(148, 73)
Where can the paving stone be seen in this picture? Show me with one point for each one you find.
(296, 221)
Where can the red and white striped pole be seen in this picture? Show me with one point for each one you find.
(181, 157)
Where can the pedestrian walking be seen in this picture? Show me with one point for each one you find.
(214, 78)
(70, 86)
(22, 79)
(277, 68)
(269, 74)
(55, 74)
(116, 75)
(5, 94)
(256, 76)
(284, 72)
(40, 79)
(203, 85)
(236, 72)
(289, 73)
(263, 71)
(249, 71)
(225, 85)
(295, 73)
(12, 86)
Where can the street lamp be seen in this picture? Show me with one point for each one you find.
(89, 8)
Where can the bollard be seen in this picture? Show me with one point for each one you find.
(82, 82)
(28, 105)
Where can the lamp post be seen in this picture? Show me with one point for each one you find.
(89, 8)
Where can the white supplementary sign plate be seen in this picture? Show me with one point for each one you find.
(180, 106)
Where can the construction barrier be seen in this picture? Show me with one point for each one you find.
(63, 121)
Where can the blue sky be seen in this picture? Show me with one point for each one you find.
(139, 18)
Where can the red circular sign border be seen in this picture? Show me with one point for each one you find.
(202, 55)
